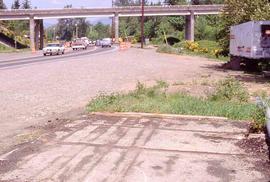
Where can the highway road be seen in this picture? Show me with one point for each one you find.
(17, 61)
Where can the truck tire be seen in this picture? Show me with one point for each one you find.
(252, 65)
(235, 63)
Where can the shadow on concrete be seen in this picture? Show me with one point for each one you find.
(267, 139)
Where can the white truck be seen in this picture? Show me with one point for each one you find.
(250, 44)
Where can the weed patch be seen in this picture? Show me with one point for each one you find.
(168, 49)
(230, 89)
(156, 100)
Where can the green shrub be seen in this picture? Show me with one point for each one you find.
(258, 120)
(230, 89)
(259, 117)
(206, 48)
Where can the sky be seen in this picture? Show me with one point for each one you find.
(62, 3)
(40, 4)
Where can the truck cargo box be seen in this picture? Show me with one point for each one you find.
(250, 40)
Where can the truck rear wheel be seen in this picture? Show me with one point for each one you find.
(235, 63)
(252, 65)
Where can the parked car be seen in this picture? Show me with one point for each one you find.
(54, 48)
(106, 42)
(79, 45)
(98, 42)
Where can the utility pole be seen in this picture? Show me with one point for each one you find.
(53, 33)
(76, 30)
(112, 27)
(142, 24)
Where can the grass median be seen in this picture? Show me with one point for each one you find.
(156, 99)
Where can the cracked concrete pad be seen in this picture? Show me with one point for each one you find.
(158, 166)
(115, 149)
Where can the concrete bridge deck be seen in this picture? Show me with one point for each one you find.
(110, 12)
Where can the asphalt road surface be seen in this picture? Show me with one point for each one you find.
(6, 62)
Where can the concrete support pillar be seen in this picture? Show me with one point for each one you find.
(32, 34)
(190, 27)
(113, 28)
(41, 34)
(36, 34)
(116, 28)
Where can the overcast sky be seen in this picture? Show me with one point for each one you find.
(75, 3)
(62, 3)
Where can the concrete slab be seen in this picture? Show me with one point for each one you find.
(135, 149)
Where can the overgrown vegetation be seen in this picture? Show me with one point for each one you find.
(229, 100)
(155, 99)
(204, 48)
(4, 48)
(230, 90)
(16, 29)
(168, 49)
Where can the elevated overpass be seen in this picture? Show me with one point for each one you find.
(36, 16)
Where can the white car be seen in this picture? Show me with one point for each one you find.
(54, 48)
(106, 42)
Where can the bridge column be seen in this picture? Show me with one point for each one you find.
(116, 27)
(190, 27)
(37, 28)
(32, 34)
(41, 34)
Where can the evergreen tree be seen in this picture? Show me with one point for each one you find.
(2, 5)
(128, 2)
(175, 2)
(16, 4)
(193, 2)
(26, 4)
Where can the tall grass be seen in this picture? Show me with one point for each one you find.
(156, 100)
